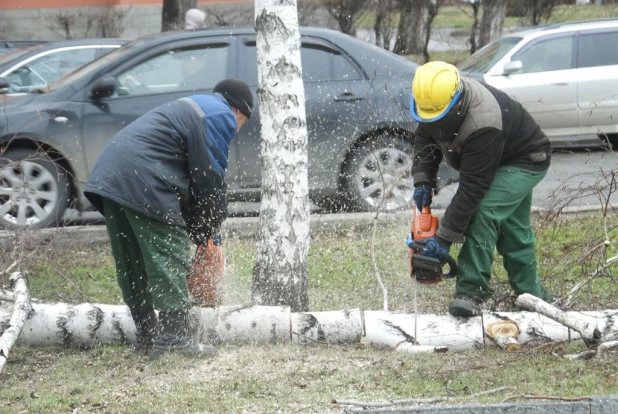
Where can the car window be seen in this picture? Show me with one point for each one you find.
(547, 55)
(14, 54)
(176, 70)
(47, 69)
(94, 66)
(486, 57)
(24, 80)
(56, 65)
(319, 64)
(598, 49)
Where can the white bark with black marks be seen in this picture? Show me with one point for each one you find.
(334, 327)
(592, 331)
(253, 324)
(396, 330)
(87, 324)
(280, 272)
(21, 309)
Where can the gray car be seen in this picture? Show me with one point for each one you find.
(565, 75)
(357, 102)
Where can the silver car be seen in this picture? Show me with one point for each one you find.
(565, 75)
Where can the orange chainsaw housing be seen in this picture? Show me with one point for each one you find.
(424, 226)
(206, 279)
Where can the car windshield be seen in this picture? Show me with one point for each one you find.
(15, 54)
(484, 59)
(94, 66)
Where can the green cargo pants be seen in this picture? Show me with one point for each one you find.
(502, 221)
(152, 260)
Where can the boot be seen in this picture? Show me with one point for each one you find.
(145, 331)
(465, 306)
(175, 336)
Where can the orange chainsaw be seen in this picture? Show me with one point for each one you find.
(205, 281)
(426, 270)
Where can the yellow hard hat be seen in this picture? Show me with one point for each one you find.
(436, 87)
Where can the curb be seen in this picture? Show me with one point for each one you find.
(607, 404)
(233, 226)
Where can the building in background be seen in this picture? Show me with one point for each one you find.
(64, 19)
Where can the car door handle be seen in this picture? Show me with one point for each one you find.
(61, 119)
(560, 83)
(348, 97)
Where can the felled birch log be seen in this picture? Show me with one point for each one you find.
(88, 324)
(393, 330)
(253, 324)
(505, 334)
(21, 308)
(588, 330)
(334, 327)
(85, 325)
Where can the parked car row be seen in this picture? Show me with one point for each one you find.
(357, 102)
(360, 132)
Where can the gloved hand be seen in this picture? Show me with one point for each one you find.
(422, 195)
(216, 239)
(436, 248)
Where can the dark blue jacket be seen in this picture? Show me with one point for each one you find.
(170, 165)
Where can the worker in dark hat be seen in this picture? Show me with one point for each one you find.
(160, 185)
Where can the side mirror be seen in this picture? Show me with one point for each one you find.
(4, 86)
(103, 88)
(512, 66)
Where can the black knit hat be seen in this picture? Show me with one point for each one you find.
(237, 94)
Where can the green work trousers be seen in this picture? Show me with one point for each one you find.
(152, 260)
(502, 221)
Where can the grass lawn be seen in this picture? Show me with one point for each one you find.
(289, 378)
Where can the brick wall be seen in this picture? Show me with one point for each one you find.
(142, 17)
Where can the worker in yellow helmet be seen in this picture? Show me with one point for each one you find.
(501, 154)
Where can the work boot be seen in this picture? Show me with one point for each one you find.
(145, 331)
(175, 336)
(465, 306)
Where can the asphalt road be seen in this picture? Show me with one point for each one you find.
(575, 180)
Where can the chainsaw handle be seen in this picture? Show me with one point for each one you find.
(449, 260)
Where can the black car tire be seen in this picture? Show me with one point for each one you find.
(378, 167)
(34, 190)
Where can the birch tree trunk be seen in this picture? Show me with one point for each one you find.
(280, 272)
(411, 28)
(492, 21)
(173, 13)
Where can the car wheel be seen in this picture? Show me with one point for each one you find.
(34, 190)
(377, 175)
